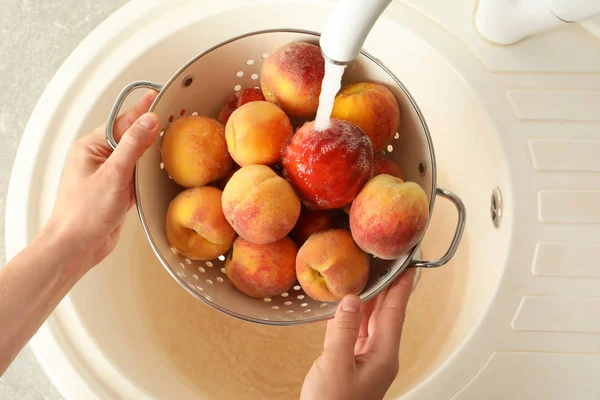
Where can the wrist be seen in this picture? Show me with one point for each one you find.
(62, 243)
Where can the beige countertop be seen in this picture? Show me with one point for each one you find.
(37, 36)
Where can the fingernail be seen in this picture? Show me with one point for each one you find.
(148, 121)
(351, 304)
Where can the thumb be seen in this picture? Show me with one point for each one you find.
(343, 330)
(134, 142)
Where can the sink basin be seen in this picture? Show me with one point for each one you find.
(170, 345)
(128, 330)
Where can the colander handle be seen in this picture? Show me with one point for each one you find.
(112, 117)
(462, 218)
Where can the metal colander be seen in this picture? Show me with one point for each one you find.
(201, 86)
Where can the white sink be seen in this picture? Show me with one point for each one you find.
(128, 330)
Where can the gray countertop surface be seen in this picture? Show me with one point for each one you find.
(37, 36)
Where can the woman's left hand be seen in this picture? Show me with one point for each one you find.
(97, 186)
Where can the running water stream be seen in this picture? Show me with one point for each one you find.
(332, 82)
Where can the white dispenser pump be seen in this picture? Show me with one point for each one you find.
(348, 27)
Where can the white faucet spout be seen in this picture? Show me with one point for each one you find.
(348, 27)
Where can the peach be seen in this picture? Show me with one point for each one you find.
(328, 168)
(291, 78)
(262, 270)
(330, 265)
(194, 151)
(311, 222)
(196, 226)
(382, 165)
(389, 216)
(373, 108)
(238, 99)
(261, 206)
(257, 132)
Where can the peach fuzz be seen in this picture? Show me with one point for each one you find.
(389, 216)
(196, 226)
(330, 265)
(311, 222)
(257, 132)
(262, 270)
(237, 99)
(328, 168)
(373, 108)
(194, 151)
(261, 206)
(291, 78)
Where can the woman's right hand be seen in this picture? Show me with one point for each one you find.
(360, 358)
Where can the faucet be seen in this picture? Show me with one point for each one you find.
(509, 21)
(348, 27)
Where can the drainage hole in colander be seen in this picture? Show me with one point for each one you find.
(180, 274)
(162, 132)
(274, 308)
(221, 257)
(201, 269)
(267, 299)
(195, 113)
(187, 81)
(254, 76)
(196, 276)
(303, 304)
(397, 136)
(200, 288)
(170, 119)
(265, 55)
(182, 265)
(323, 305)
(297, 287)
(287, 303)
(237, 88)
(209, 281)
(309, 310)
(390, 148)
(162, 165)
(239, 74)
(219, 279)
(285, 294)
(209, 264)
(187, 261)
(422, 168)
(300, 297)
(182, 112)
(173, 250)
(250, 62)
(289, 312)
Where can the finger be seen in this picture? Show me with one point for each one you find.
(390, 319)
(343, 331)
(368, 309)
(363, 333)
(133, 144)
(128, 118)
(379, 300)
(123, 122)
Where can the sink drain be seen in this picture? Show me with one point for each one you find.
(496, 207)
